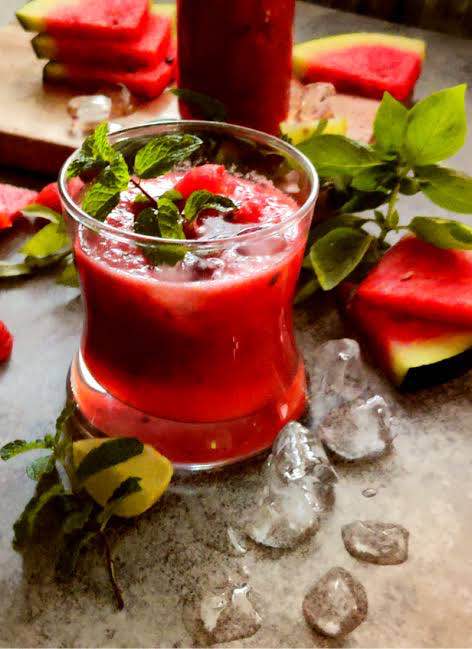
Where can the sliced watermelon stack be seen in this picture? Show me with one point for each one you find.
(95, 42)
(414, 312)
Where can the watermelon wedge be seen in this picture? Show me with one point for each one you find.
(12, 201)
(301, 131)
(105, 19)
(149, 48)
(414, 353)
(147, 83)
(417, 279)
(366, 64)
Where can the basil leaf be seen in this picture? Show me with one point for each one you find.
(306, 290)
(374, 179)
(338, 155)
(436, 127)
(51, 239)
(362, 201)
(39, 467)
(69, 276)
(409, 186)
(337, 221)
(390, 125)
(12, 449)
(37, 211)
(447, 188)
(110, 453)
(335, 255)
(208, 108)
(163, 152)
(443, 233)
(205, 200)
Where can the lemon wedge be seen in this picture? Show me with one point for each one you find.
(154, 469)
(301, 131)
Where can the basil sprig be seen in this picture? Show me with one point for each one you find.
(409, 144)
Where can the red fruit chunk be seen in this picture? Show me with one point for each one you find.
(420, 280)
(12, 201)
(6, 343)
(49, 195)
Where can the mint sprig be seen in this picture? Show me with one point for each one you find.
(403, 161)
(204, 200)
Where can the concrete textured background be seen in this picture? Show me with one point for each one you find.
(162, 558)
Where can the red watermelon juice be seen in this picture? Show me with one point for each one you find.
(239, 52)
(197, 358)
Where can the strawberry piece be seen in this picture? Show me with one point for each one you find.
(6, 343)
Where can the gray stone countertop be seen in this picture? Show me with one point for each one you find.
(424, 485)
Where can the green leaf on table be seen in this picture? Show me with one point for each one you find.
(437, 127)
(25, 525)
(446, 187)
(390, 125)
(69, 553)
(39, 467)
(337, 254)
(443, 233)
(205, 200)
(108, 454)
(96, 152)
(50, 240)
(374, 179)
(69, 276)
(208, 108)
(19, 446)
(161, 153)
(63, 437)
(77, 519)
(338, 155)
(37, 211)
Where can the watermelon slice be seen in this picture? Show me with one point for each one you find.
(413, 352)
(420, 280)
(147, 83)
(49, 195)
(105, 19)
(12, 201)
(301, 131)
(366, 64)
(149, 48)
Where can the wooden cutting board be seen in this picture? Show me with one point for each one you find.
(34, 124)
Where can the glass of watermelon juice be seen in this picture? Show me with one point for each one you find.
(240, 53)
(197, 356)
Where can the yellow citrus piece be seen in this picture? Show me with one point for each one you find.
(301, 131)
(154, 469)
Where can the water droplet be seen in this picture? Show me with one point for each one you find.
(369, 492)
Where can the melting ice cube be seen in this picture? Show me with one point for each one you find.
(376, 542)
(314, 104)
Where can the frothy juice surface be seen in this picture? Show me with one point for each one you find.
(208, 340)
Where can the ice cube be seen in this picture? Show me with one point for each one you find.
(357, 431)
(87, 112)
(336, 604)
(226, 611)
(299, 486)
(376, 542)
(338, 376)
(314, 104)
(295, 100)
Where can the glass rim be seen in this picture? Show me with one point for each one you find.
(253, 231)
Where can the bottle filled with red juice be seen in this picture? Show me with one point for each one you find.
(240, 53)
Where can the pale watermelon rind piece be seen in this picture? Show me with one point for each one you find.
(308, 51)
(300, 131)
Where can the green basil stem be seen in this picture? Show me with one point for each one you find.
(111, 572)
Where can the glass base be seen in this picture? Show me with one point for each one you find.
(190, 446)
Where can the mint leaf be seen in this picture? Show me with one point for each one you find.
(166, 222)
(51, 239)
(447, 188)
(335, 255)
(205, 200)
(100, 200)
(37, 211)
(110, 453)
(338, 155)
(163, 152)
(95, 153)
(208, 108)
(40, 467)
(147, 222)
(69, 276)
(390, 125)
(443, 233)
(172, 195)
(436, 127)
(170, 221)
(70, 551)
(25, 525)
(12, 449)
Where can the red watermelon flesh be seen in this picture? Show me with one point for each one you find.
(420, 280)
(147, 83)
(105, 19)
(12, 201)
(149, 48)
(49, 195)
(401, 344)
(365, 64)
